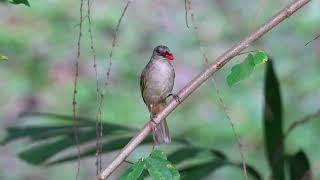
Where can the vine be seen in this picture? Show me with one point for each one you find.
(215, 86)
(74, 98)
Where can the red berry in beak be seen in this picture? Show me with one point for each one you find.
(169, 56)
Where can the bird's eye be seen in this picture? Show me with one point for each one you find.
(158, 51)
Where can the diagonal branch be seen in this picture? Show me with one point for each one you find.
(200, 79)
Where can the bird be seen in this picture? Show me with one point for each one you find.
(156, 84)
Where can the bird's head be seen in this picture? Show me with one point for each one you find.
(163, 51)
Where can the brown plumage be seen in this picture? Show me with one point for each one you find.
(156, 83)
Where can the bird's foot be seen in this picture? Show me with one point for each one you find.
(175, 97)
(152, 125)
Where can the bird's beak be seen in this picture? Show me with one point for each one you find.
(169, 56)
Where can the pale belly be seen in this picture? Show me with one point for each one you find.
(159, 83)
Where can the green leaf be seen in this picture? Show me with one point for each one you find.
(188, 157)
(157, 165)
(3, 58)
(114, 144)
(35, 132)
(260, 57)
(25, 2)
(43, 132)
(135, 171)
(50, 140)
(273, 123)
(202, 170)
(107, 127)
(41, 152)
(185, 153)
(160, 168)
(191, 170)
(175, 173)
(243, 70)
(299, 166)
(158, 154)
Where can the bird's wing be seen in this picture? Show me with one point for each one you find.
(142, 83)
(174, 76)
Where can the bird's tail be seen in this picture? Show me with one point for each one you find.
(161, 133)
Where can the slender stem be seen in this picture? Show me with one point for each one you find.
(101, 93)
(312, 40)
(74, 98)
(246, 52)
(300, 122)
(186, 10)
(98, 116)
(200, 79)
(215, 86)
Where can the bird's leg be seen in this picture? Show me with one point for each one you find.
(175, 97)
(153, 125)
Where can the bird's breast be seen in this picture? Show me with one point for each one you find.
(159, 81)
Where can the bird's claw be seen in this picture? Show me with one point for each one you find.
(175, 97)
(152, 125)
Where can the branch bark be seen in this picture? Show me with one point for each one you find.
(200, 79)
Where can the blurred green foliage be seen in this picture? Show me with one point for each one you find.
(3, 58)
(50, 141)
(41, 44)
(273, 124)
(299, 166)
(25, 2)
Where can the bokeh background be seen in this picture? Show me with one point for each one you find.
(40, 43)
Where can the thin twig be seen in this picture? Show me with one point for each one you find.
(244, 166)
(102, 93)
(300, 122)
(200, 79)
(186, 15)
(246, 52)
(312, 40)
(98, 116)
(215, 86)
(78, 24)
(129, 162)
(74, 101)
(114, 38)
